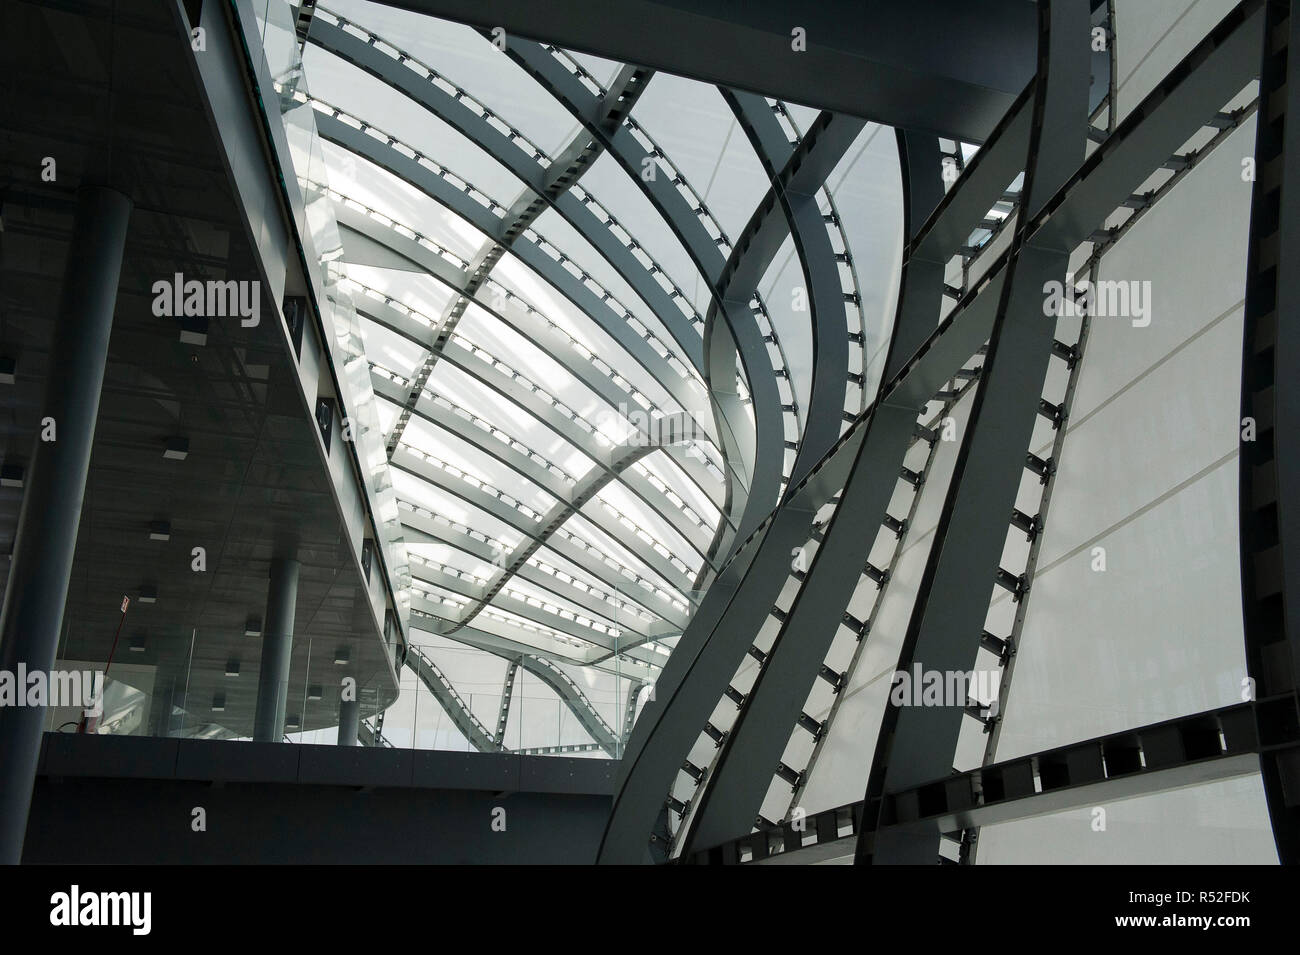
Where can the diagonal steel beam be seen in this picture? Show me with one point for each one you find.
(861, 60)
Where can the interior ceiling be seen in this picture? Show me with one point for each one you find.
(122, 108)
(405, 253)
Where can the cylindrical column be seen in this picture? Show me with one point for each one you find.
(46, 538)
(277, 645)
(349, 721)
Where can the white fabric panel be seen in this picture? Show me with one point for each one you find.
(692, 124)
(1152, 36)
(348, 87)
(779, 286)
(868, 196)
(1229, 820)
(1148, 472)
(466, 58)
(840, 775)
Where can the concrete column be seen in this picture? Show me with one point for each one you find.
(277, 645)
(349, 722)
(32, 615)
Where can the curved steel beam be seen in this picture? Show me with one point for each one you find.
(795, 189)
(952, 600)
(739, 780)
(572, 696)
(737, 336)
(569, 500)
(462, 718)
(1270, 466)
(541, 530)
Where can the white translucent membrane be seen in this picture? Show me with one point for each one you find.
(542, 719)
(415, 490)
(1151, 38)
(607, 692)
(375, 188)
(1221, 823)
(417, 291)
(523, 281)
(607, 180)
(693, 125)
(628, 559)
(867, 188)
(662, 467)
(840, 775)
(533, 592)
(471, 61)
(649, 521)
(1149, 475)
(390, 350)
(785, 293)
(524, 356)
(477, 464)
(557, 230)
(511, 425)
(416, 719)
(342, 85)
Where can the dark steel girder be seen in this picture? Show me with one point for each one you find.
(1165, 120)
(738, 782)
(865, 60)
(784, 211)
(1105, 183)
(952, 599)
(1270, 465)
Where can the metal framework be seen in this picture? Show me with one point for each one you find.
(786, 478)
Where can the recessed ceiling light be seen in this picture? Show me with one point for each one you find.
(160, 531)
(314, 692)
(148, 594)
(8, 367)
(219, 703)
(341, 656)
(11, 475)
(177, 449)
(253, 628)
(232, 668)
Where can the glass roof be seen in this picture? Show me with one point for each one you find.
(520, 379)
